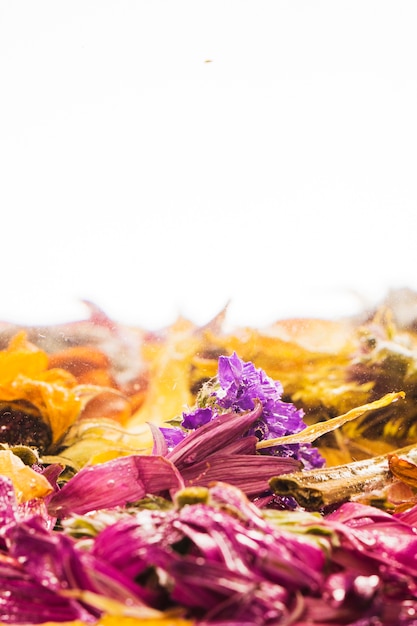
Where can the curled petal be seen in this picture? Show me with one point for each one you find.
(213, 436)
(115, 483)
(251, 473)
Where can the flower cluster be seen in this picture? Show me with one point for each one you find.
(238, 386)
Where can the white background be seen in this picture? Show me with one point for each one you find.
(166, 157)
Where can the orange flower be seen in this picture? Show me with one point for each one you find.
(25, 382)
(51, 397)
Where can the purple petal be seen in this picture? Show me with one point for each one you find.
(230, 370)
(172, 436)
(197, 418)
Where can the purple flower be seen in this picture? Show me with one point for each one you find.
(241, 384)
(238, 386)
(199, 417)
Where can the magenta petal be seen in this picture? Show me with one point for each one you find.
(245, 445)
(8, 504)
(160, 447)
(115, 483)
(213, 436)
(30, 602)
(250, 473)
(41, 564)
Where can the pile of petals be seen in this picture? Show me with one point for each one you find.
(190, 532)
(211, 557)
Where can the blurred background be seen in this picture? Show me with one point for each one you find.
(165, 158)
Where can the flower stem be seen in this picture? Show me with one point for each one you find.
(322, 487)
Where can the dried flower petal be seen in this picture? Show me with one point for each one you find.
(27, 483)
(114, 483)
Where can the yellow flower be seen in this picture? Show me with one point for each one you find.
(44, 405)
(27, 385)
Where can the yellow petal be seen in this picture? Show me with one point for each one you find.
(110, 620)
(21, 357)
(169, 392)
(113, 620)
(403, 469)
(58, 404)
(313, 432)
(27, 483)
(116, 613)
(97, 440)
